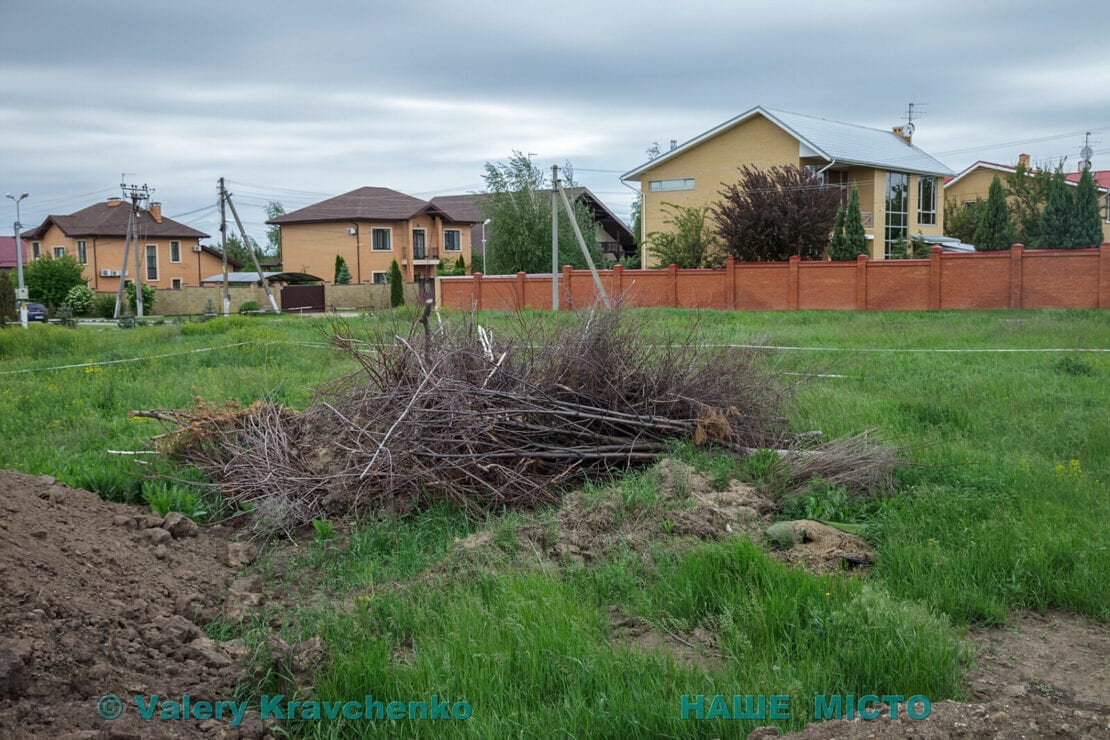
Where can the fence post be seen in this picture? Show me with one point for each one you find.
(861, 282)
(730, 281)
(477, 291)
(1016, 267)
(934, 276)
(1104, 275)
(616, 284)
(792, 282)
(672, 271)
(565, 294)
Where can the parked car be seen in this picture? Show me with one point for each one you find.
(36, 312)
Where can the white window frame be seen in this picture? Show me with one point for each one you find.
(146, 263)
(59, 252)
(375, 274)
(388, 231)
(175, 283)
(82, 252)
(458, 240)
(670, 185)
(922, 212)
(175, 248)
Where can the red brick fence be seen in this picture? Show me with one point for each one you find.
(1018, 278)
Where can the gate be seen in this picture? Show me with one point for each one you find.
(302, 298)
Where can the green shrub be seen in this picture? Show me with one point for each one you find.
(396, 286)
(103, 305)
(9, 310)
(166, 497)
(248, 307)
(149, 295)
(49, 280)
(80, 299)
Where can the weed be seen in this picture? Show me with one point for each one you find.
(325, 530)
(165, 497)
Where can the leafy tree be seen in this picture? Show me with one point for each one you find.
(396, 286)
(49, 279)
(342, 272)
(149, 296)
(854, 233)
(1057, 222)
(838, 244)
(962, 219)
(1088, 218)
(637, 222)
(236, 251)
(9, 310)
(993, 232)
(691, 242)
(1027, 194)
(273, 233)
(519, 202)
(769, 215)
(80, 299)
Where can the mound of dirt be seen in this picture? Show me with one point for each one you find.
(99, 598)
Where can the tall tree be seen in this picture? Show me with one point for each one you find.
(838, 244)
(236, 251)
(519, 203)
(854, 233)
(691, 241)
(342, 272)
(396, 285)
(961, 219)
(273, 233)
(993, 232)
(1026, 195)
(1088, 218)
(1058, 220)
(769, 215)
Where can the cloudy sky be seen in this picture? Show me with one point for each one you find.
(296, 102)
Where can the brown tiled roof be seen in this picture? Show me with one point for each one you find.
(461, 208)
(102, 219)
(363, 204)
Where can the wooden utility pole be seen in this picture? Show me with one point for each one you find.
(554, 237)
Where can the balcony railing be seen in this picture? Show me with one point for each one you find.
(425, 253)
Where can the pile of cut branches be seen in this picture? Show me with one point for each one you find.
(451, 412)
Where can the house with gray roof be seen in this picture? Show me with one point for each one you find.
(899, 184)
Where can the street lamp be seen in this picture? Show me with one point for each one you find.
(21, 293)
(484, 224)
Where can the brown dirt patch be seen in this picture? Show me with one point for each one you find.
(98, 598)
(1040, 676)
(697, 650)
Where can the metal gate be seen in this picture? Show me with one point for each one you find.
(302, 298)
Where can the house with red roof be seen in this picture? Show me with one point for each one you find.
(7, 252)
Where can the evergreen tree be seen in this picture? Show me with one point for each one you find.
(342, 272)
(396, 286)
(838, 244)
(854, 232)
(9, 310)
(994, 233)
(460, 266)
(1088, 219)
(1056, 221)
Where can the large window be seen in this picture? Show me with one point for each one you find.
(663, 186)
(175, 251)
(897, 209)
(82, 252)
(151, 262)
(927, 201)
(419, 245)
(452, 240)
(381, 240)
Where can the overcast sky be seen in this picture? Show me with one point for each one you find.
(296, 102)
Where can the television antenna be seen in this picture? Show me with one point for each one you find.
(910, 114)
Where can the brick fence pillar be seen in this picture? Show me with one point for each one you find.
(792, 282)
(730, 281)
(520, 277)
(672, 272)
(616, 282)
(934, 277)
(564, 289)
(476, 297)
(1016, 266)
(861, 281)
(1104, 275)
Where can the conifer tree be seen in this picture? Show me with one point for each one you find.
(1088, 219)
(396, 286)
(854, 232)
(994, 233)
(838, 244)
(1057, 220)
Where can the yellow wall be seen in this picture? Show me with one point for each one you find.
(107, 253)
(312, 248)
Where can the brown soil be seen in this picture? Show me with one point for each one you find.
(99, 598)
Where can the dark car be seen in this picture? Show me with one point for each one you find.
(36, 312)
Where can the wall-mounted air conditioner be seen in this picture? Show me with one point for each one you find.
(197, 248)
(109, 273)
(352, 230)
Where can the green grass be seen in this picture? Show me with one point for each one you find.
(1003, 509)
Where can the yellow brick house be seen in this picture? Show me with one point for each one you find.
(899, 184)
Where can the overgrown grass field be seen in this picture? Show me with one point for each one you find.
(1003, 508)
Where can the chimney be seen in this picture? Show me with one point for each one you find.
(113, 202)
(156, 212)
(901, 131)
(1023, 161)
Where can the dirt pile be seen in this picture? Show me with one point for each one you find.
(99, 598)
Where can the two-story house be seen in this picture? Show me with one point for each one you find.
(369, 228)
(899, 184)
(170, 253)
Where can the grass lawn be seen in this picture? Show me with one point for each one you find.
(1004, 508)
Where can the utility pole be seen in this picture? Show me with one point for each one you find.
(582, 245)
(247, 244)
(554, 237)
(138, 195)
(21, 291)
(223, 246)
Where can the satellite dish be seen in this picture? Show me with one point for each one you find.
(908, 128)
(1086, 152)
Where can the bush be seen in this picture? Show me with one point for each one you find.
(149, 295)
(103, 306)
(80, 299)
(9, 310)
(49, 280)
(396, 286)
(248, 307)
